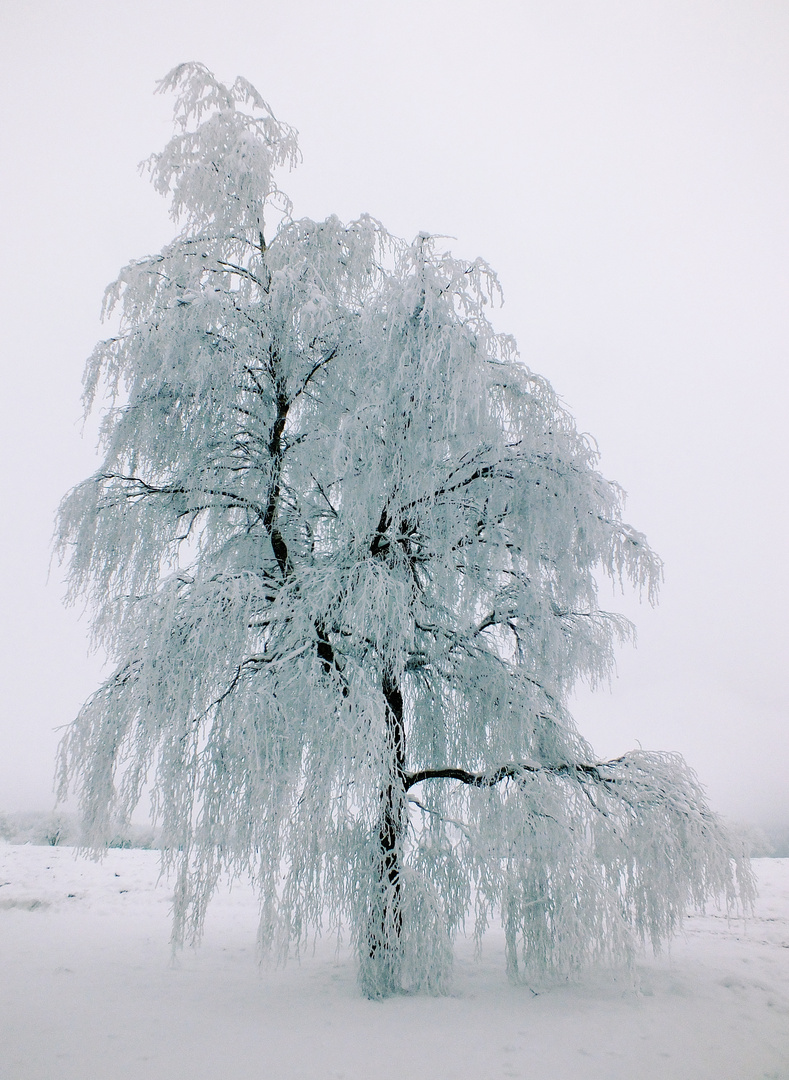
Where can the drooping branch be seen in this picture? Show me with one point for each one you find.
(143, 488)
(324, 360)
(482, 473)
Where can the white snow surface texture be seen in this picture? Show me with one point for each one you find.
(89, 992)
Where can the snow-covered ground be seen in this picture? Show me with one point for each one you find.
(88, 992)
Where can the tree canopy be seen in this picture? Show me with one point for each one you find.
(343, 547)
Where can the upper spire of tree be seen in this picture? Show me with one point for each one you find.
(219, 170)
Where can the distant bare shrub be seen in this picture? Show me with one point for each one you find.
(55, 829)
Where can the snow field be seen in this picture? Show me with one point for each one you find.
(88, 992)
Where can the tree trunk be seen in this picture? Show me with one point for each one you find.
(386, 917)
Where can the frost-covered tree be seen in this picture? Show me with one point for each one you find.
(342, 548)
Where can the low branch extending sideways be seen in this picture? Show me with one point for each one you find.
(514, 771)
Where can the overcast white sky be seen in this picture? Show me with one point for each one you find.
(624, 166)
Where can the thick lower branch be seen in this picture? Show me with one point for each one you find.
(514, 771)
